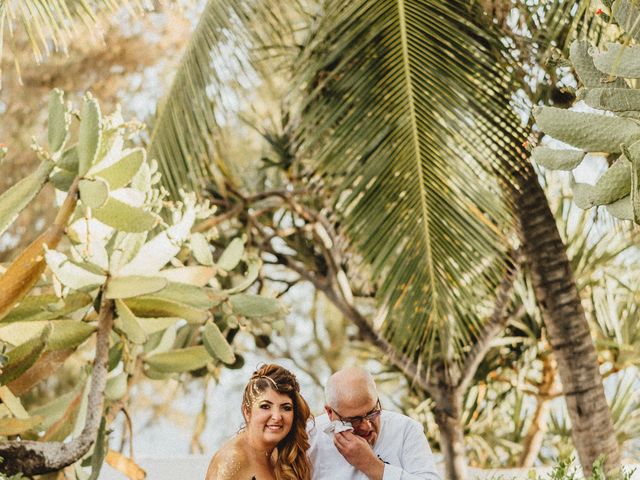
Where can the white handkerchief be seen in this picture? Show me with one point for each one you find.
(337, 426)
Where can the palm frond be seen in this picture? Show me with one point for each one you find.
(403, 109)
(625, 407)
(50, 24)
(215, 84)
(407, 118)
(553, 24)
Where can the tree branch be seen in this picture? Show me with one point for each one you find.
(490, 329)
(214, 221)
(334, 293)
(336, 289)
(35, 458)
(533, 441)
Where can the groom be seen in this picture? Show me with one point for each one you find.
(357, 440)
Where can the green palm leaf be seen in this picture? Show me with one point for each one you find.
(50, 25)
(403, 109)
(409, 128)
(214, 83)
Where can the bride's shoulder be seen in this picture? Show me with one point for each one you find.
(228, 463)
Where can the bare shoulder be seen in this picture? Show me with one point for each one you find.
(229, 463)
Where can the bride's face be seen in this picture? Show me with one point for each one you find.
(270, 417)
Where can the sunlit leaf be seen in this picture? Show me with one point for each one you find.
(116, 387)
(94, 193)
(134, 286)
(152, 306)
(124, 217)
(255, 306)
(177, 361)
(90, 134)
(216, 344)
(129, 324)
(71, 274)
(231, 255)
(196, 275)
(158, 251)
(58, 121)
(64, 333)
(201, 249)
(122, 172)
(14, 200)
(21, 358)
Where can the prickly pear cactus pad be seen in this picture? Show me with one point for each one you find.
(121, 265)
(608, 84)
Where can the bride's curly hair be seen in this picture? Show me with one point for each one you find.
(292, 462)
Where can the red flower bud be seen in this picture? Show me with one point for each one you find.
(599, 11)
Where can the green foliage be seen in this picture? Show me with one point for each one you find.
(18, 476)
(59, 120)
(363, 107)
(498, 409)
(46, 24)
(121, 260)
(14, 200)
(566, 470)
(142, 320)
(216, 344)
(607, 84)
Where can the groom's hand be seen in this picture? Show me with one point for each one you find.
(358, 453)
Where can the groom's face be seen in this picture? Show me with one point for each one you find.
(358, 408)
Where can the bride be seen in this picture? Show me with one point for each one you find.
(273, 443)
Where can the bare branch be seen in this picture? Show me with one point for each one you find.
(490, 329)
(405, 364)
(35, 458)
(538, 427)
(213, 221)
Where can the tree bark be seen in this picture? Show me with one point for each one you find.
(567, 327)
(448, 413)
(35, 458)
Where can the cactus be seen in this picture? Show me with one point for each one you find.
(119, 281)
(614, 132)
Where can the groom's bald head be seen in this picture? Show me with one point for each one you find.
(351, 386)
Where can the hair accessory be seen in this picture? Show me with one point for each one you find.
(273, 382)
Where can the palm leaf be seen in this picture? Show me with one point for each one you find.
(216, 82)
(625, 407)
(420, 124)
(50, 25)
(411, 126)
(553, 24)
(405, 111)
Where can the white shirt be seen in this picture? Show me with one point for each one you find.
(401, 445)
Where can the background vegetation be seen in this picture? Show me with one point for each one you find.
(378, 153)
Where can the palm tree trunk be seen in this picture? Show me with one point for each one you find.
(568, 330)
(448, 416)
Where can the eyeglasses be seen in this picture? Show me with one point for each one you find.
(356, 421)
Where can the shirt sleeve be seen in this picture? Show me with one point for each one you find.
(416, 459)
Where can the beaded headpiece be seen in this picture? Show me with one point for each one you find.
(260, 381)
